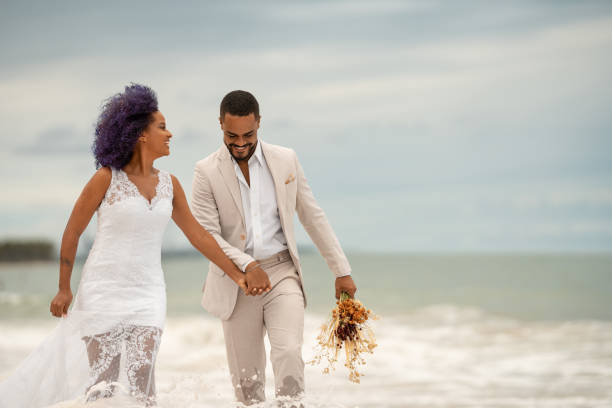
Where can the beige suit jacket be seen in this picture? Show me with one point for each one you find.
(217, 204)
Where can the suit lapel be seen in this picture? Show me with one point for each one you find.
(231, 181)
(275, 166)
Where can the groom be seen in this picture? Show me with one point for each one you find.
(246, 194)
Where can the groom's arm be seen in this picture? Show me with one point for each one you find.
(204, 208)
(320, 231)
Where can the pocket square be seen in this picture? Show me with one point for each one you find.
(290, 179)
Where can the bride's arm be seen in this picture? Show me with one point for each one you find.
(83, 210)
(200, 238)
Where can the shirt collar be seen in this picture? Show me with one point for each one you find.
(258, 153)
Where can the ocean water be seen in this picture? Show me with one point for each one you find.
(455, 331)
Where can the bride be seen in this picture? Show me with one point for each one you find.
(110, 338)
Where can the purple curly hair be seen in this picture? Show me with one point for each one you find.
(123, 118)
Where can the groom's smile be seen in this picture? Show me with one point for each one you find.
(239, 151)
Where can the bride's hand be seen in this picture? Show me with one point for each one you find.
(60, 303)
(242, 284)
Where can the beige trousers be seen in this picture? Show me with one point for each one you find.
(280, 313)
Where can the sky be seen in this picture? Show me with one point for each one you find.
(421, 125)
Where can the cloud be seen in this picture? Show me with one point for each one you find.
(59, 140)
(468, 136)
(340, 10)
(579, 197)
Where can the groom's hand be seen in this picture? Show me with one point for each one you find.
(345, 284)
(257, 280)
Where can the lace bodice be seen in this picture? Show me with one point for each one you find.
(122, 188)
(127, 248)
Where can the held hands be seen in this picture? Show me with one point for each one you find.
(257, 281)
(242, 285)
(345, 284)
(61, 302)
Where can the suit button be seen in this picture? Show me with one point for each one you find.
(242, 237)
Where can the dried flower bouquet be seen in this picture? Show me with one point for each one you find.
(346, 329)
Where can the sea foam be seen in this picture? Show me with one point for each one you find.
(438, 356)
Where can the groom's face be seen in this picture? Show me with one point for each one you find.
(240, 135)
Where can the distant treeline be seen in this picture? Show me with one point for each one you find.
(31, 250)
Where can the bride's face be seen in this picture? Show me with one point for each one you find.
(156, 138)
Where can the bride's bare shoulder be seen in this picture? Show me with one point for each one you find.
(103, 174)
(175, 182)
(101, 179)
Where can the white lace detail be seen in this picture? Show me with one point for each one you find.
(164, 189)
(139, 345)
(121, 188)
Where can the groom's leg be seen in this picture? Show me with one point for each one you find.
(246, 354)
(284, 321)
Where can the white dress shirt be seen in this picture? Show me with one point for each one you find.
(264, 233)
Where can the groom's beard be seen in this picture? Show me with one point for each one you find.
(245, 155)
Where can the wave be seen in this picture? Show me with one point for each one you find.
(442, 355)
(17, 299)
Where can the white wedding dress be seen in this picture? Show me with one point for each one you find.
(109, 341)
